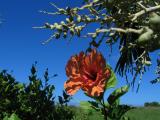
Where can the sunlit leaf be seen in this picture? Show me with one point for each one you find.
(112, 80)
(12, 117)
(94, 105)
(116, 94)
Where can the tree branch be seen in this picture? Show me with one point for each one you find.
(144, 11)
(128, 30)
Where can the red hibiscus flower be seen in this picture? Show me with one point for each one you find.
(87, 72)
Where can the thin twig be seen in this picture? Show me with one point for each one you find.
(54, 5)
(42, 27)
(49, 13)
(142, 6)
(141, 56)
(48, 40)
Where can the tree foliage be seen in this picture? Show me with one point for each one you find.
(32, 101)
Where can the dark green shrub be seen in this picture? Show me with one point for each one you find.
(32, 101)
(9, 92)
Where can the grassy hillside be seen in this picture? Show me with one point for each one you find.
(141, 113)
(144, 113)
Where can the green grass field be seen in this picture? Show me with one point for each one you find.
(140, 113)
(144, 113)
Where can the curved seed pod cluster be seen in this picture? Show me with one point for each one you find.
(150, 38)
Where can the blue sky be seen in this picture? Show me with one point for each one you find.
(21, 46)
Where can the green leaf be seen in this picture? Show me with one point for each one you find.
(5, 118)
(116, 94)
(117, 112)
(7, 88)
(60, 100)
(94, 105)
(117, 102)
(112, 80)
(12, 117)
(65, 95)
(19, 86)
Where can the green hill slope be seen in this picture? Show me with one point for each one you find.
(144, 113)
(140, 113)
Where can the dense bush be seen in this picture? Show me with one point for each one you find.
(152, 104)
(32, 101)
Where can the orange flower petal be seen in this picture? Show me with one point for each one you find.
(72, 86)
(97, 91)
(73, 65)
(94, 91)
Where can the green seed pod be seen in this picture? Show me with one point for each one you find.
(79, 18)
(94, 36)
(154, 19)
(111, 34)
(62, 23)
(148, 63)
(59, 28)
(64, 34)
(50, 26)
(68, 20)
(55, 24)
(72, 31)
(87, 19)
(78, 30)
(97, 31)
(57, 35)
(145, 37)
(75, 10)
